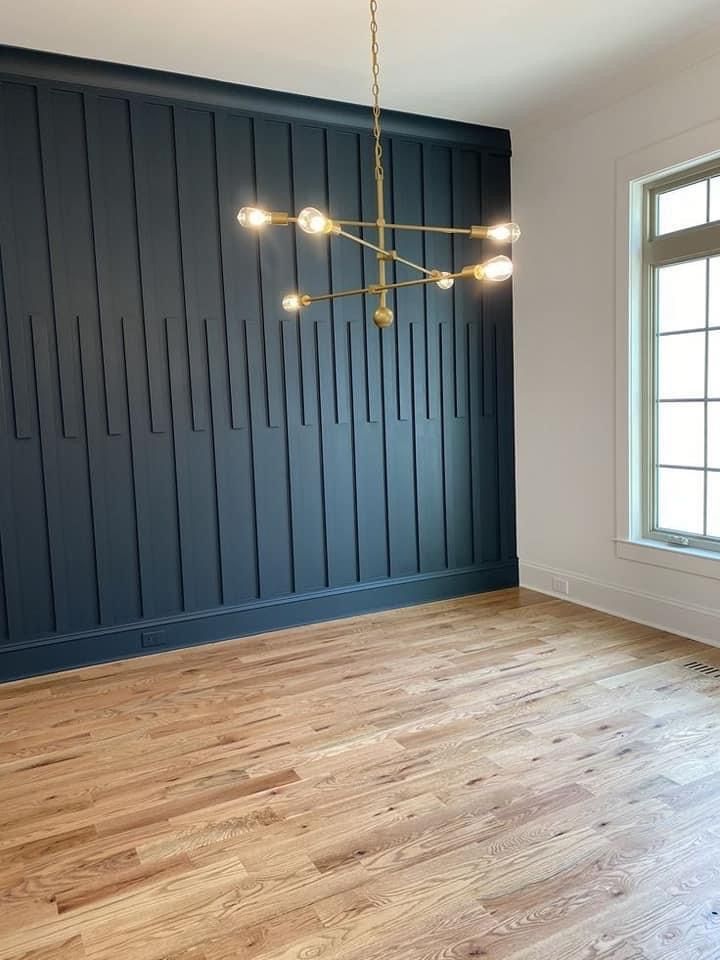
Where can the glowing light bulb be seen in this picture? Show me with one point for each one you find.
(504, 232)
(445, 282)
(312, 220)
(497, 269)
(292, 302)
(253, 217)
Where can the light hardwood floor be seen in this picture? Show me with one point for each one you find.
(504, 776)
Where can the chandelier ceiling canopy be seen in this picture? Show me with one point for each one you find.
(315, 222)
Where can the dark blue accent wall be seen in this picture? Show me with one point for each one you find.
(182, 461)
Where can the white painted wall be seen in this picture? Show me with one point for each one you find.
(565, 314)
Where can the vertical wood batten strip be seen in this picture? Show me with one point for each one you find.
(437, 202)
(240, 269)
(233, 481)
(459, 291)
(271, 497)
(216, 360)
(354, 401)
(417, 373)
(305, 505)
(369, 263)
(230, 181)
(272, 170)
(273, 173)
(442, 349)
(407, 208)
(103, 553)
(369, 480)
(187, 180)
(153, 458)
(51, 474)
(18, 330)
(114, 375)
(343, 194)
(153, 318)
(505, 437)
(321, 451)
(179, 381)
(473, 422)
(65, 319)
(9, 568)
(146, 568)
(4, 630)
(308, 187)
(428, 455)
(447, 357)
(337, 469)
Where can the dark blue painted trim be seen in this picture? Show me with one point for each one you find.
(100, 646)
(61, 70)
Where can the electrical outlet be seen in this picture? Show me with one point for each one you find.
(154, 638)
(560, 586)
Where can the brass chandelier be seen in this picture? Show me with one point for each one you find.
(313, 221)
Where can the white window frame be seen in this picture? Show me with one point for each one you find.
(659, 250)
(680, 157)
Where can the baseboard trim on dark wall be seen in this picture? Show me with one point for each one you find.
(51, 654)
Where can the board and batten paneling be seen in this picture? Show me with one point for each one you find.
(183, 461)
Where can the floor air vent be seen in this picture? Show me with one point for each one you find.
(705, 668)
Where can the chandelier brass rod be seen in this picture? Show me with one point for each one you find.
(466, 231)
(478, 232)
(377, 289)
(391, 254)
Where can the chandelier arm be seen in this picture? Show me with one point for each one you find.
(465, 231)
(465, 273)
(475, 232)
(392, 255)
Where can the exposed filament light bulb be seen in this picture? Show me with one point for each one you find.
(497, 269)
(312, 220)
(253, 217)
(445, 282)
(504, 232)
(292, 302)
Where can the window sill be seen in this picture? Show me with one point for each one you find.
(700, 563)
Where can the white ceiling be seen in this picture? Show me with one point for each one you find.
(507, 62)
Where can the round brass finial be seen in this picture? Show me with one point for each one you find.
(383, 317)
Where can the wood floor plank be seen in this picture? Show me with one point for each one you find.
(506, 776)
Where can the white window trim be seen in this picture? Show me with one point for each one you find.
(633, 171)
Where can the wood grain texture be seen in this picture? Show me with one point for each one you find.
(504, 776)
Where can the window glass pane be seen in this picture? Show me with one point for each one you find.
(713, 435)
(681, 296)
(680, 500)
(681, 366)
(713, 507)
(714, 363)
(682, 207)
(681, 434)
(715, 198)
(714, 305)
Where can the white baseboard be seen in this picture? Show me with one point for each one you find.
(685, 619)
